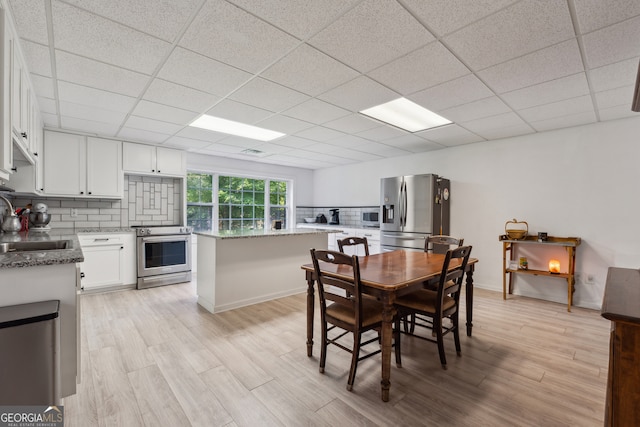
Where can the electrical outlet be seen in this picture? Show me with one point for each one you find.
(578, 277)
(74, 212)
(590, 279)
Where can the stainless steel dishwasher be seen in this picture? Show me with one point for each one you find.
(29, 354)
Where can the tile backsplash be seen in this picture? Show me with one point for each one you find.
(349, 216)
(147, 200)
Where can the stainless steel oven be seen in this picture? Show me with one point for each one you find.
(164, 255)
(371, 217)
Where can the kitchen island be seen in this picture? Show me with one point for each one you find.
(241, 268)
(31, 274)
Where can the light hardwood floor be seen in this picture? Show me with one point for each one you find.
(155, 358)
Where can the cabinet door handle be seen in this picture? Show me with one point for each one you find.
(82, 192)
(89, 192)
(153, 170)
(158, 170)
(101, 240)
(24, 135)
(82, 275)
(121, 247)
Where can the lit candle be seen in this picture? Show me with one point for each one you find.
(554, 266)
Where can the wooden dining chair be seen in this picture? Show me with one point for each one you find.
(440, 243)
(351, 313)
(353, 241)
(432, 307)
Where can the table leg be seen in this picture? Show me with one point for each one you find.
(310, 308)
(469, 299)
(387, 335)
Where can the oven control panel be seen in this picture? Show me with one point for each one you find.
(162, 230)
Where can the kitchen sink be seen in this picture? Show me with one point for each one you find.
(48, 245)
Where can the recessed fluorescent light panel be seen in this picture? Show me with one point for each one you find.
(235, 128)
(406, 115)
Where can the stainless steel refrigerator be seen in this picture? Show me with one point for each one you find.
(413, 207)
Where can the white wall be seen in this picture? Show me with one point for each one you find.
(302, 178)
(580, 181)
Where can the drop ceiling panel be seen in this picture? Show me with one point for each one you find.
(47, 105)
(133, 134)
(199, 72)
(499, 126)
(382, 133)
(268, 95)
(169, 93)
(354, 123)
(30, 17)
(316, 111)
(543, 65)
(359, 94)
(371, 34)
(619, 112)
(90, 126)
(284, 124)
(160, 18)
(294, 142)
(301, 18)
(152, 110)
(614, 97)
(476, 110)
(548, 92)
(616, 75)
(567, 107)
(185, 143)
(453, 93)
(86, 112)
(524, 27)
(89, 35)
(320, 133)
(425, 67)
(143, 123)
(200, 134)
(595, 14)
(94, 97)
(235, 37)
(450, 135)
(309, 71)
(87, 72)
(612, 44)
(239, 112)
(446, 16)
(565, 121)
(43, 86)
(38, 58)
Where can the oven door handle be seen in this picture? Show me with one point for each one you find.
(173, 238)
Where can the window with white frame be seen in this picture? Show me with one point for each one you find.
(242, 203)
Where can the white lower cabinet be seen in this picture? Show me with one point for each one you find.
(109, 260)
(373, 239)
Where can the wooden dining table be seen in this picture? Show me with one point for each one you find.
(387, 276)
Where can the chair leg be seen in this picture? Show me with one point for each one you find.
(456, 333)
(354, 360)
(396, 341)
(437, 325)
(323, 347)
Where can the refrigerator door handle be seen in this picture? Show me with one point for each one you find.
(400, 205)
(405, 207)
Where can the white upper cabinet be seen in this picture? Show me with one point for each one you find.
(6, 146)
(104, 170)
(75, 165)
(151, 160)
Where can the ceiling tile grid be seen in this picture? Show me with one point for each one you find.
(143, 70)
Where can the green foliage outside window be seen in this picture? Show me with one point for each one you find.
(240, 202)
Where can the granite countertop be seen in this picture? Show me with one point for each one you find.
(45, 257)
(309, 225)
(263, 233)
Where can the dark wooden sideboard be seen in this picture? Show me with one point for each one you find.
(621, 305)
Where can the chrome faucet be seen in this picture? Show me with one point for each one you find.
(11, 211)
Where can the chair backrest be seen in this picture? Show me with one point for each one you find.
(441, 244)
(353, 241)
(450, 281)
(347, 266)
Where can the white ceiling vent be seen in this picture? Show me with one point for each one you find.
(254, 152)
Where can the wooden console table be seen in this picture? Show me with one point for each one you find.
(620, 305)
(569, 243)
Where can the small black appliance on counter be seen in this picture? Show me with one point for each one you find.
(335, 216)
